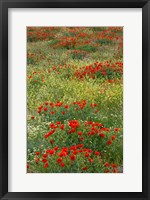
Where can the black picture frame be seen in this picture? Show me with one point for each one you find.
(4, 6)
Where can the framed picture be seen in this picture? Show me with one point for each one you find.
(74, 99)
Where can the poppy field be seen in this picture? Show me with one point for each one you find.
(74, 100)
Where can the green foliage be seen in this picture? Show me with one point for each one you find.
(53, 42)
(87, 47)
(104, 41)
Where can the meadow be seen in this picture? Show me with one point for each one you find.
(74, 99)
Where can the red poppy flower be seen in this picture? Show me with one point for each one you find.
(62, 164)
(105, 129)
(79, 145)
(51, 141)
(58, 104)
(75, 152)
(65, 149)
(37, 153)
(109, 142)
(59, 160)
(90, 160)
(45, 109)
(107, 164)
(74, 123)
(114, 165)
(63, 153)
(89, 150)
(28, 166)
(46, 103)
(115, 170)
(62, 127)
(46, 136)
(72, 157)
(87, 155)
(56, 148)
(102, 135)
(58, 122)
(113, 137)
(107, 171)
(52, 126)
(116, 129)
(73, 130)
(49, 134)
(66, 106)
(52, 113)
(51, 152)
(32, 117)
(81, 138)
(44, 155)
(97, 153)
(79, 133)
(37, 160)
(89, 133)
(44, 160)
(84, 168)
(63, 113)
(46, 165)
(73, 148)
(40, 107)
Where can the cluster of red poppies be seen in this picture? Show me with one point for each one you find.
(65, 157)
(100, 69)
